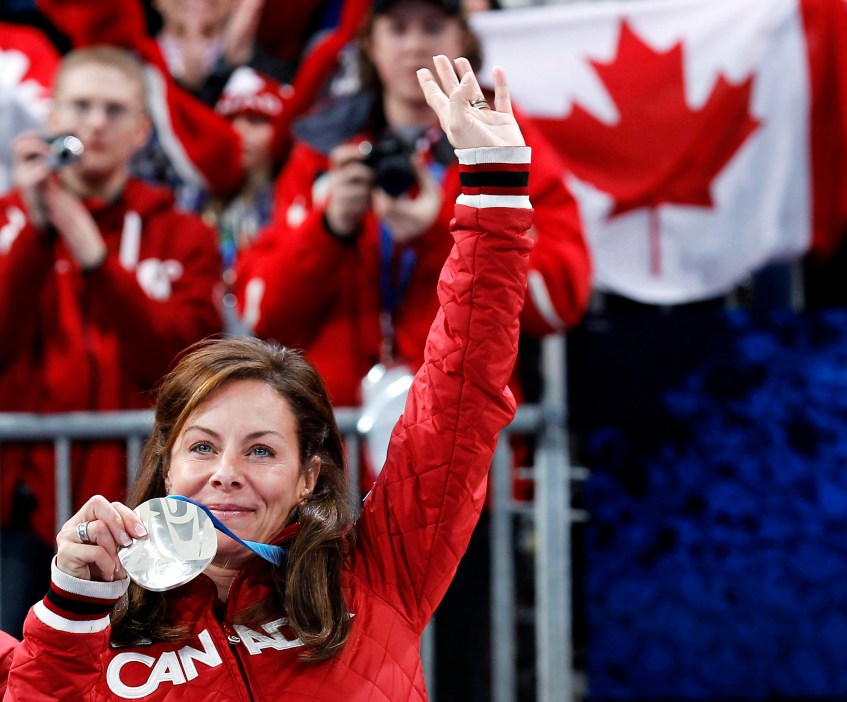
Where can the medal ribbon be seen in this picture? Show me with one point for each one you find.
(272, 554)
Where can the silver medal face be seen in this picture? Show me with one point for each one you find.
(181, 541)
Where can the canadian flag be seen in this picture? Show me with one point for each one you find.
(704, 138)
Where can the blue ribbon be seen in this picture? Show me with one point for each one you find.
(272, 554)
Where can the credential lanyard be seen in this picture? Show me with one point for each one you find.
(272, 554)
(394, 282)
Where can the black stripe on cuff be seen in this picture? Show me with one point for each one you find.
(77, 606)
(494, 179)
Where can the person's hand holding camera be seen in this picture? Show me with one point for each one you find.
(408, 216)
(349, 197)
(75, 225)
(50, 203)
(30, 171)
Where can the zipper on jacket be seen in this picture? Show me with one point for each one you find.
(233, 640)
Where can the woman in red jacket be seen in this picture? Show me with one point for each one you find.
(247, 429)
(347, 269)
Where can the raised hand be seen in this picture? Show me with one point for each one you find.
(465, 125)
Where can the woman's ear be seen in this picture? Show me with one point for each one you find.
(310, 476)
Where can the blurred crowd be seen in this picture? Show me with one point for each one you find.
(176, 169)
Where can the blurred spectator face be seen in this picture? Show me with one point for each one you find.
(405, 38)
(104, 107)
(252, 102)
(257, 134)
(470, 6)
(208, 15)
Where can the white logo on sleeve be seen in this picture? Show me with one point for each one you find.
(155, 276)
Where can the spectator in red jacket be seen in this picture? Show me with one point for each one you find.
(247, 429)
(102, 283)
(361, 263)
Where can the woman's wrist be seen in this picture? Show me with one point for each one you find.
(494, 176)
(76, 605)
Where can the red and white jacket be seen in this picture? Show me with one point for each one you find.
(413, 529)
(98, 341)
(305, 288)
(7, 649)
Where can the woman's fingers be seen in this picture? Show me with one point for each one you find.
(446, 73)
(502, 97)
(434, 95)
(107, 515)
(90, 540)
(132, 522)
(468, 77)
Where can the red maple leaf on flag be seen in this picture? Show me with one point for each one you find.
(660, 151)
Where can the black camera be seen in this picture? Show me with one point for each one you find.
(391, 160)
(64, 150)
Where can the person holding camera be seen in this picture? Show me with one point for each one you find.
(102, 282)
(347, 270)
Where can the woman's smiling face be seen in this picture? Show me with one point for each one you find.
(238, 454)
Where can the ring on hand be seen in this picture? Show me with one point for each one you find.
(480, 104)
(82, 533)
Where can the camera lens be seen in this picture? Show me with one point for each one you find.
(64, 149)
(390, 159)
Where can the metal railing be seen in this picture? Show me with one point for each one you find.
(550, 511)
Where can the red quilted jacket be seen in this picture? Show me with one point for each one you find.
(7, 648)
(414, 527)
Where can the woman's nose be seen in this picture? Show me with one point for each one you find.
(227, 471)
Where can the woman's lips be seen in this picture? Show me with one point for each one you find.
(230, 510)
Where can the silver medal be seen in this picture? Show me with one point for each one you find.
(181, 541)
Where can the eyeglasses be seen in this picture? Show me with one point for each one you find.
(82, 109)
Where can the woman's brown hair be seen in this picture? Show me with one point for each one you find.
(308, 586)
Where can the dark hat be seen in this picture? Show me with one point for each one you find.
(451, 7)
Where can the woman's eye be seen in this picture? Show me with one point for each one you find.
(262, 451)
(201, 447)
